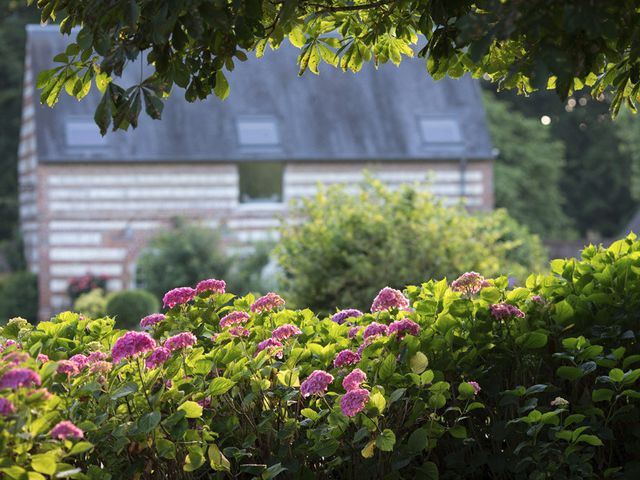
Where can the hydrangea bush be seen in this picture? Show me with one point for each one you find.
(471, 379)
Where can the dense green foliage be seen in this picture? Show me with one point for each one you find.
(527, 170)
(531, 45)
(129, 306)
(549, 391)
(350, 246)
(19, 296)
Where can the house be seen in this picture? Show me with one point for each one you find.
(89, 204)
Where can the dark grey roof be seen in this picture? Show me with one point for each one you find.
(373, 115)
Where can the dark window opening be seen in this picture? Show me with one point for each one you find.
(260, 181)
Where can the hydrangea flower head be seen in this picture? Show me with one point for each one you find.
(239, 331)
(404, 327)
(20, 377)
(96, 356)
(353, 381)
(503, 311)
(285, 331)
(64, 430)
(80, 360)
(346, 357)
(233, 318)
(375, 329)
(178, 296)
(316, 383)
(132, 344)
(469, 283)
(211, 285)
(15, 358)
(354, 401)
(389, 298)
(6, 407)
(342, 316)
(68, 368)
(159, 356)
(151, 320)
(559, 402)
(181, 340)
(537, 299)
(353, 332)
(42, 358)
(273, 346)
(270, 301)
(476, 387)
(100, 367)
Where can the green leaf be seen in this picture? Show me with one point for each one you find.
(418, 440)
(386, 440)
(191, 409)
(222, 88)
(217, 460)
(15, 472)
(418, 363)
(80, 447)
(194, 460)
(466, 390)
(428, 471)
(44, 463)
(220, 386)
(166, 448)
(616, 375)
(590, 439)
(569, 373)
(309, 413)
(387, 367)
(378, 401)
(601, 395)
(531, 340)
(148, 422)
(458, 431)
(369, 449)
(125, 390)
(563, 311)
(297, 38)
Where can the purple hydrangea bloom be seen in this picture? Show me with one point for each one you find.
(353, 332)
(469, 283)
(375, 329)
(273, 346)
(66, 429)
(346, 357)
(151, 320)
(80, 360)
(404, 327)
(42, 358)
(68, 368)
(234, 318)
(20, 377)
(537, 299)
(389, 298)
(178, 296)
(476, 387)
(158, 357)
(285, 331)
(503, 311)
(211, 285)
(239, 331)
(132, 344)
(341, 317)
(181, 340)
(316, 383)
(270, 301)
(15, 358)
(6, 407)
(354, 401)
(96, 356)
(356, 378)
(100, 367)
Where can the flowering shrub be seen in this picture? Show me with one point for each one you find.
(84, 284)
(538, 381)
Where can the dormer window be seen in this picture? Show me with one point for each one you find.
(440, 131)
(258, 131)
(82, 132)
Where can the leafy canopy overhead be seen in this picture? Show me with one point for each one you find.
(519, 44)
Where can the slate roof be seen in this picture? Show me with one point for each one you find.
(373, 115)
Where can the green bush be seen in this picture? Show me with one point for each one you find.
(92, 304)
(471, 380)
(181, 256)
(19, 296)
(129, 306)
(350, 246)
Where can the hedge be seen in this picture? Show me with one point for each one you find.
(468, 379)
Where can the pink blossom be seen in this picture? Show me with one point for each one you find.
(6, 407)
(346, 357)
(132, 344)
(344, 315)
(316, 383)
(234, 318)
(353, 381)
(178, 296)
(353, 332)
(354, 401)
(285, 331)
(503, 311)
(273, 346)
(403, 327)
(66, 429)
(151, 320)
(11, 343)
(68, 368)
(79, 360)
(42, 358)
(100, 367)
(375, 329)
(159, 356)
(96, 356)
(270, 301)
(20, 377)
(239, 331)
(211, 285)
(537, 299)
(15, 358)
(469, 283)
(181, 340)
(389, 298)
(476, 387)
(205, 402)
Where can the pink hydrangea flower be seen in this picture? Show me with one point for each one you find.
(43, 392)
(375, 329)
(159, 356)
(68, 368)
(239, 331)
(100, 367)
(42, 358)
(344, 315)
(181, 340)
(64, 430)
(389, 298)
(80, 360)
(12, 343)
(537, 299)
(132, 344)
(404, 327)
(273, 346)
(178, 296)
(15, 358)
(285, 331)
(503, 311)
(476, 387)
(211, 285)
(270, 301)
(20, 377)
(234, 318)
(346, 357)
(151, 320)
(354, 401)
(6, 407)
(316, 383)
(353, 381)
(469, 283)
(96, 356)
(353, 332)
